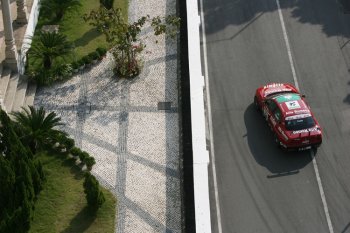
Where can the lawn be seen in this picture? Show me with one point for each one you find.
(61, 205)
(84, 36)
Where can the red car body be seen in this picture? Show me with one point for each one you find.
(289, 116)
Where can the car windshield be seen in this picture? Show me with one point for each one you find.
(299, 124)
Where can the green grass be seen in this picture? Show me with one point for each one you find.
(84, 36)
(61, 205)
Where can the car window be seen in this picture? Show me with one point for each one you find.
(299, 124)
(271, 105)
(278, 114)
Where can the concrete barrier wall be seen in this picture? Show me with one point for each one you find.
(27, 40)
(200, 153)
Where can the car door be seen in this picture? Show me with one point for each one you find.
(272, 113)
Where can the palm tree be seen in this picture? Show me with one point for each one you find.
(37, 127)
(49, 46)
(58, 8)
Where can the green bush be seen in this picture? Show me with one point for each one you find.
(81, 62)
(83, 155)
(75, 151)
(75, 65)
(42, 77)
(87, 59)
(89, 161)
(94, 195)
(101, 51)
(94, 55)
(62, 71)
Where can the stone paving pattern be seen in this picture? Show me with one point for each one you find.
(117, 121)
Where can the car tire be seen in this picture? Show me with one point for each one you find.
(256, 104)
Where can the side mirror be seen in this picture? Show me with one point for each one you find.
(304, 96)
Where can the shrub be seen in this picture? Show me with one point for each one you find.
(75, 65)
(90, 161)
(94, 55)
(81, 62)
(62, 71)
(87, 59)
(83, 156)
(41, 76)
(93, 194)
(75, 151)
(101, 51)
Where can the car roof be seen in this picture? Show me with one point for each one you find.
(292, 105)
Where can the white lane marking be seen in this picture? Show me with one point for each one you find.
(323, 196)
(318, 178)
(217, 203)
(289, 51)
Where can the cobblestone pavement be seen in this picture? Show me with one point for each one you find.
(117, 121)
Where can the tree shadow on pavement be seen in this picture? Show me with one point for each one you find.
(328, 14)
(265, 152)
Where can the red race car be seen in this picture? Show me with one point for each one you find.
(289, 116)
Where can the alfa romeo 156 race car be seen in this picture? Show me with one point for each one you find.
(289, 116)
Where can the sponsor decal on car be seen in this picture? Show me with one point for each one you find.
(273, 121)
(283, 134)
(292, 105)
(298, 111)
(287, 97)
(268, 92)
(273, 85)
(298, 116)
(301, 111)
(306, 130)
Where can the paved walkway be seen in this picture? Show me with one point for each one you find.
(117, 121)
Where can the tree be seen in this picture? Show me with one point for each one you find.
(20, 180)
(49, 46)
(57, 8)
(124, 37)
(38, 127)
(94, 195)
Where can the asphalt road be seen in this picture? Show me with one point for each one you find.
(262, 189)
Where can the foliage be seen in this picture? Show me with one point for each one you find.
(20, 179)
(108, 4)
(75, 65)
(101, 51)
(75, 151)
(124, 37)
(65, 143)
(55, 9)
(89, 161)
(94, 55)
(94, 195)
(38, 127)
(87, 59)
(50, 47)
(81, 63)
(83, 155)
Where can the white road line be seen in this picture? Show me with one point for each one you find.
(217, 203)
(289, 51)
(312, 153)
(323, 196)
